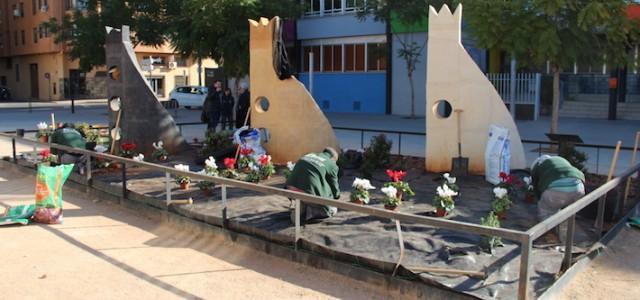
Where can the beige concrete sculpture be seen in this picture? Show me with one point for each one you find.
(296, 124)
(452, 76)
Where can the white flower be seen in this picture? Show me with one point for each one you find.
(159, 145)
(100, 149)
(139, 157)
(450, 180)
(211, 163)
(444, 191)
(363, 184)
(182, 167)
(42, 126)
(389, 191)
(290, 166)
(499, 192)
(527, 180)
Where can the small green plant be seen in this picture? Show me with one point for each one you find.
(287, 172)
(390, 200)
(254, 174)
(182, 179)
(490, 242)
(159, 153)
(205, 185)
(360, 190)
(376, 156)
(396, 181)
(266, 166)
(216, 142)
(444, 199)
(43, 130)
(501, 202)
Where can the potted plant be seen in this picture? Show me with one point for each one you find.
(266, 166)
(211, 169)
(182, 180)
(400, 186)
(488, 243)
(530, 196)
(360, 191)
(46, 157)
(443, 201)
(501, 203)
(390, 200)
(451, 183)
(92, 136)
(288, 170)
(254, 174)
(206, 187)
(128, 150)
(43, 132)
(139, 157)
(159, 153)
(230, 171)
(245, 159)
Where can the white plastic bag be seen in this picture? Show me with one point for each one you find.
(250, 139)
(497, 155)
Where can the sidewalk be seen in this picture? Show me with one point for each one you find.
(103, 251)
(52, 104)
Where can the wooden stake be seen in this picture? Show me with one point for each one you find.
(599, 224)
(246, 119)
(53, 121)
(614, 161)
(633, 161)
(477, 274)
(115, 133)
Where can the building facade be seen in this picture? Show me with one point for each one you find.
(34, 67)
(356, 67)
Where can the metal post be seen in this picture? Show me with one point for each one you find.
(361, 139)
(568, 247)
(225, 221)
(167, 183)
(297, 224)
(124, 180)
(400, 143)
(88, 174)
(536, 108)
(597, 159)
(13, 147)
(512, 89)
(311, 73)
(525, 259)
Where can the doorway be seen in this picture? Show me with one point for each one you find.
(35, 91)
(157, 85)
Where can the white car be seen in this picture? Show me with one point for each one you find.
(189, 96)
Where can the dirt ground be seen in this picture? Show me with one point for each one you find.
(104, 251)
(613, 275)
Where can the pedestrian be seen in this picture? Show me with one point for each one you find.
(227, 109)
(316, 174)
(213, 106)
(557, 184)
(243, 105)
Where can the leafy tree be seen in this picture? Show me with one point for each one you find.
(561, 32)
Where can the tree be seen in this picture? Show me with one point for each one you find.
(409, 13)
(559, 32)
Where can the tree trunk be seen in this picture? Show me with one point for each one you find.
(555, 104)
(413, 97)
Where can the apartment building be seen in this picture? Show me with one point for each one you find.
(34, 67)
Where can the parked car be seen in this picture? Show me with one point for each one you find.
(5, 94)
(189, 96)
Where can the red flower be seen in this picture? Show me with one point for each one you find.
(128, 146)
(264, 159)
(230, 163)
(45, 153)
(245, 151)
(396, 176)
(503, 176)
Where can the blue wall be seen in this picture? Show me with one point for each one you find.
(341, 90)
(337, 26)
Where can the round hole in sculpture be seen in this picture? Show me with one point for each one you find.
(262, 104)
(114, 73)
(442, 109)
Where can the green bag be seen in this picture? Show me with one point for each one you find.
(49, 182)
(18, 215)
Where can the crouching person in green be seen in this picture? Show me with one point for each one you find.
(557, 184)
(316, 174)
(68, 136)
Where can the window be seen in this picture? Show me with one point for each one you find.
(33, 7)
(376, 57)
(157, 60)
(332, 6)
(22, 37)
(15, 38)
(1, 40)
(316, 58)
(17, 73)
(21, 9)
(354, 57)
(35, 35)
(181, 61)
(352, 5)
(313, 8)
(14, 11)
(332, 58)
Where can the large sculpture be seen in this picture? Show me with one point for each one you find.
(284, 107)
(452, 76)
(143, 119)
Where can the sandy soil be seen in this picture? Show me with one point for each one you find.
(103, 251)
(613, 275)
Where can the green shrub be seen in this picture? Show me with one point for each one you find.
(376, 156)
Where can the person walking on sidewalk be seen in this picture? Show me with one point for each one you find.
(213, 106)
(243, 105)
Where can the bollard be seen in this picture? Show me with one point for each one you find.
(20, 132)
(13, 147)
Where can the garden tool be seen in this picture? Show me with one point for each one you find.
(115, 105)
(459, 165)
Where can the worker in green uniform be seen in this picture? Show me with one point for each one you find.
(67, 135)
(557, 184)
(316, 174)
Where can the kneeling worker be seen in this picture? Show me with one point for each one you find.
(67, 135)
(557, 184)
(316, 174)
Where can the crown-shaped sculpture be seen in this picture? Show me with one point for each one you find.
(445, 21)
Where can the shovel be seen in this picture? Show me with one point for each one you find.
(459, 165)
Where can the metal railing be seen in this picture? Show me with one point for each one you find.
(524, 238)
(527, 88)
